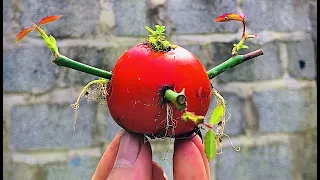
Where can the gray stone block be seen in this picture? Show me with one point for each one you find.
(8, 168)
(197, 17)
(28, 68)
(46, 126)
(80, 17)
(7, 11)
(103, 58)
(9, 36)
(285, 110)
(194, 49)
(286, 15)
(26, 171)
(313, 20)
(10, 26)
(265, 67)
(112, 54)
(87, 55)
(301, 59)
(131, 17)
(309, 151)
(200, 52)
(234, 126)
(269, 162)
(78, 167)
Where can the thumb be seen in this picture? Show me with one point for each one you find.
(133, 161)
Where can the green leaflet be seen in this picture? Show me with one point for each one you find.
(165, 43)
(53, 40)
(157, 38)
(217, 114)
(150, 30)
(244, 47)
(210, 144)
(53, 44)
(160, 29)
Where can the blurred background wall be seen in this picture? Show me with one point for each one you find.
(272, 99)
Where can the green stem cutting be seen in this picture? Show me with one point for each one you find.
(178, 99)
(61, 60)
(232, 62)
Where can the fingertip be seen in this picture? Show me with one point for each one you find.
(157, 172)
(140, 168)
(107, 160)
(187, 161)
(145, 155)
(198, 142)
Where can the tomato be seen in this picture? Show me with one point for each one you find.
(133, 93)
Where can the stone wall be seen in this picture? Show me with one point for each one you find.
(272, 99)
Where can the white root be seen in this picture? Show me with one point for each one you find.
(101, 93)
(221, 126)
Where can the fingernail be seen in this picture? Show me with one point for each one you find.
(128, 151)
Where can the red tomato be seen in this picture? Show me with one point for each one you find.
(134, 98)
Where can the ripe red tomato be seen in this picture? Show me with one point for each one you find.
(134, 97)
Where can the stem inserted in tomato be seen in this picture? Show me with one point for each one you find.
(178, 99)
(190, 116)
(232, 62)
(61, 60)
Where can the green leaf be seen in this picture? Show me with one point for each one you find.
(48, 42)
(150, 30)
(53, 40)
(160, 29)
(152, 40)
(165, 44)
(244, 47)
(210, 145)
(217, 114)
(53, 44)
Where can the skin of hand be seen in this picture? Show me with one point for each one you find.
(129, 158)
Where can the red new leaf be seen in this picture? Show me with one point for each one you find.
(230, 17)
(23, 33)
(48, 19)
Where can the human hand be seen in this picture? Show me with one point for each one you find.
(128, 157)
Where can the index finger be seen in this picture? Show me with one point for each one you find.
(198, 142)
(108, 158)
(189, 160)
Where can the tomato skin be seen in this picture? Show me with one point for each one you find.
(134, 98)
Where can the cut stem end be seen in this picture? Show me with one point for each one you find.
(178, 99)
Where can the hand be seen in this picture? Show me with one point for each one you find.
(127, 157)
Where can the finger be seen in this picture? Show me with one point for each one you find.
(198, 142)
(107, 160)
(187, 161)
(134, 159)
(157, 172)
